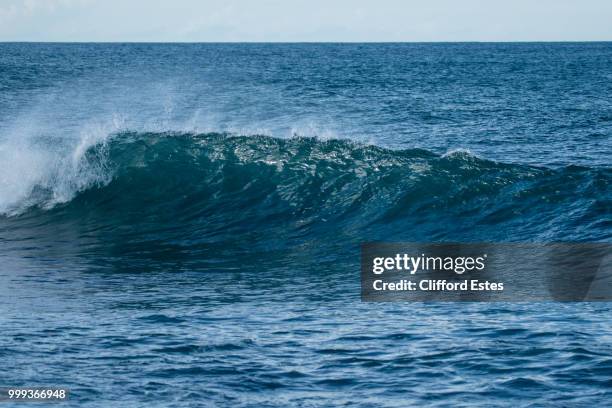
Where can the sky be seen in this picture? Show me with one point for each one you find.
(305, 20)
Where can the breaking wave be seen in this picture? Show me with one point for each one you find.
(193, 187)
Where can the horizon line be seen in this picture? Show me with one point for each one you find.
(307, 42)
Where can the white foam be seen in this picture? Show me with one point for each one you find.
(458, 152)
(43, 170)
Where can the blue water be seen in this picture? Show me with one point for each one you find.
(180, 224)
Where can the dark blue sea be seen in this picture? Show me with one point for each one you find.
(180, 223)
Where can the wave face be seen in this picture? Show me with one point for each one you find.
(258, 192)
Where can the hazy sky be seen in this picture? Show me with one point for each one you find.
(305, 20)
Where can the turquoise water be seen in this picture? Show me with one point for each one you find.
(180, 224)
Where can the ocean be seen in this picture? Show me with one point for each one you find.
(180, 223)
